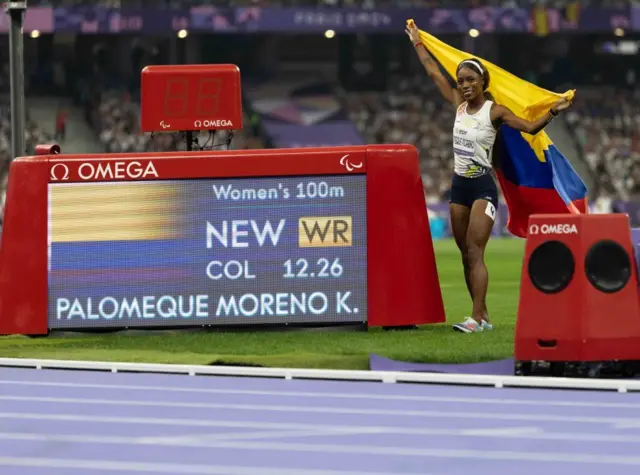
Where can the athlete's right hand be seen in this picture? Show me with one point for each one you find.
(412, 32)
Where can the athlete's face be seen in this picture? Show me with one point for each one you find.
(470, 83)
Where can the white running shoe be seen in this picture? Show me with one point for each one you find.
(468, 326)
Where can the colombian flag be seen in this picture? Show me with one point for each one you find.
(540, 20)
(113, 211)
(572, 12)
(534, 175)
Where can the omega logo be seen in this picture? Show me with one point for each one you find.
(553, 229)
(213, 123)
(105, 171)
(59, 172)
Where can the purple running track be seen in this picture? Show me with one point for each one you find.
(58, 422)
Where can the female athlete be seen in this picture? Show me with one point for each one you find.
(474, 194)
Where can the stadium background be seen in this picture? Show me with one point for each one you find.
(319, 75)
(327, 72)
(333, 72)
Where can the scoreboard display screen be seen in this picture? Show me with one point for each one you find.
(207, 252)
(303, 236)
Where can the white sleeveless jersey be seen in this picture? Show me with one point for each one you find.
(473, 139)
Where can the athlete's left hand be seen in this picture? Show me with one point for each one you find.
(412, 32)
(561, 105)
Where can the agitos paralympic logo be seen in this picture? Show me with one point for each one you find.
(90, 171)
(349, 165)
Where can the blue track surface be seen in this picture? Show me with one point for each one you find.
(75, 422)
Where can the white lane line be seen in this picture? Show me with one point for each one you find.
(520, 432)
(527, 432)
(377, 450)
(145, 467)
(633, 424)
(326, 410)
(282, 434)
(329, 395)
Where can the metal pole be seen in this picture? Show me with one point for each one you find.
(16, 11)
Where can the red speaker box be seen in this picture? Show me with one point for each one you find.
(579, 297)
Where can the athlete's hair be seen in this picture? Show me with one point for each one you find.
(478, 67)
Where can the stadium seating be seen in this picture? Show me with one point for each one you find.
(115, 116)
(33, 136)
(607, 132)
(604, 120)
(412, 111)
(174, 4)
(606, 124)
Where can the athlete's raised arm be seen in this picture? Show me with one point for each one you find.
(506, 116)
(449, 93)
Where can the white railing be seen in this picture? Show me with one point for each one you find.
(497, 381)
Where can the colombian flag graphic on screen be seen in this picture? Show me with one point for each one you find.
(96, 212)
(534, 175)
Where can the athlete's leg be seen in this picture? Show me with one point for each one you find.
(481, 221)
(460, 225)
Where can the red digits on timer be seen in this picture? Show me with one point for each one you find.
(207, 102)
(208, 97)
(175, 98)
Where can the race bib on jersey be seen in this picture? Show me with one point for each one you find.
(490, 211)
(465, 131)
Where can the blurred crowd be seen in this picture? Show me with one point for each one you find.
(115, 117)
(411, 111)
(604, 121)
(606, 124)
(174, 4)
(34, 135)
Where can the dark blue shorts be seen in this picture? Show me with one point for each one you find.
(464, 191)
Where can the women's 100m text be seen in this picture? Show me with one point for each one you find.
(321, 189)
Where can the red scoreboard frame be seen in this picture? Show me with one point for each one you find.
(402, 281)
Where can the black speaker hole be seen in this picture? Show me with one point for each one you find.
(608, 266)
(551, 267)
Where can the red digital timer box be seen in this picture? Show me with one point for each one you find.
(191, 97)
